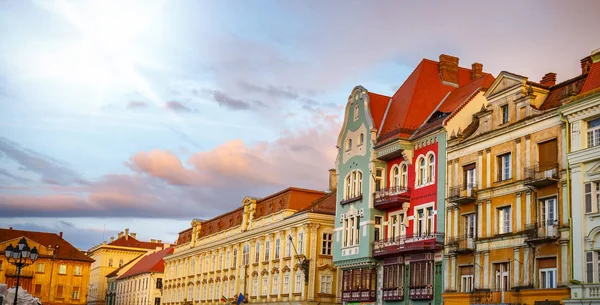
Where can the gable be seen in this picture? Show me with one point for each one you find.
(360, 99)
(503, 83)
(594, 171)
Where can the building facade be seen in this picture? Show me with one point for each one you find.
(258, 250)
(59, 276)
(583, 156)
(507, 219)
(142, 284)
(111, 280)
(108, 257)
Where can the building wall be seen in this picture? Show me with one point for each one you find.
(138, 289)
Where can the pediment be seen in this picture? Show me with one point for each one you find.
(248, 200)
(594, 170)
(504, 82)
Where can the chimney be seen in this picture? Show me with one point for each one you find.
(153, 241)
(476, 70)
(166, 246)
(159, 241)
(448, 67)
(60, 234)
(133, 235)
(332, 179)
(112, 238)
(11, 228)
(549, 79)
(120, 235)
(127, 234)
(586, 65)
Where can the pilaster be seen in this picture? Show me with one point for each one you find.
(519, 220)
(479, 169)
(488, 167)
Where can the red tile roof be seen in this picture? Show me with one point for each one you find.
(419, 95)
(560, 93)
(130, 241)
(460, 95)
(593, 79)
(151, 263)
(64, 250)
(184, 236)
(324, 205)
(377, 105)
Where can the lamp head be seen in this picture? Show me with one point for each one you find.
(34, 254)
(22, 243)
(8, 251)
(25, 252)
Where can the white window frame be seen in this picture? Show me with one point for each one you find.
(235, 255)
(298, 282)
(245, 255)
(505, 166)
(470, 225)
(421, 167)
(403, 174)
(591, 197)
(424, 225)
(593, 133)
(545, 282)
(275, 284)
(326, 284)
(327, 243)
(396, 228)
(62, 269)
(267, 250)
(430, 160)
(504, 115)
(353, 187)
(286, 283)
(466, 283)
(277, 248)
(257, 252)
(255, 286)
(379, 181)
(504, 220)
(300, 242)
(502, 274)
(395, 176)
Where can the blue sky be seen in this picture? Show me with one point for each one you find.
(131, 114)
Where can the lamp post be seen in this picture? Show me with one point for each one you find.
(20, 256)
(304, 264)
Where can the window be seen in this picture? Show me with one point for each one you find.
(361, 139)
(192, 266)
(469, 178)
(267, 250)
(548, 278)
(156, 301)
(211, 292)
(504, 224)
(396, 226)
(277, 245)
(59, 291)
(548, 216)
(425, 223)
(349, 144)
(234, 257)
(421, 174)
(75, 293)
(355, 112)
(357, 280)
(378, 179)
(38, 290)
(327, 242)
(110, 262)
(265, 285)
(421, 274)
(158, 283)
(351, 228)
(504, 109)
(353, 185)
(257, 252)
(403, 175)
(300, 243)
(40, 267)
(502, 282)
(255, 286)
(225, 287)
(205, 294)
(227, 259)
(120, 263)
(466, 279)
(395, 179)
(504, 168)
(593, 133)
(298, 282)
(62, 269)
(393, 279)
(77, 270)
(286, 283)
(326, 284)
(469, 227)
(592, 197)
(288, 247)
(275, 284)
(430, 168)
(245, 255)
(233, 288)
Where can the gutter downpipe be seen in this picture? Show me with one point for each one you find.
(568, 136)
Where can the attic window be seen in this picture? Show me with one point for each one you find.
(504, 109)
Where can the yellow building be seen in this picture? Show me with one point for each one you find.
(110, 256)
(248, 251)
(59, 276)
(507, 214)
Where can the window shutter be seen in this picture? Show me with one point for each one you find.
(588, 197)
(547, 155)
(549, 262)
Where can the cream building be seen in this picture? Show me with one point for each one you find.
(248, 251)
(110, 256)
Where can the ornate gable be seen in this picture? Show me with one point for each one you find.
(504, 82)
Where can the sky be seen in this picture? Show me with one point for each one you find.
(147, 114)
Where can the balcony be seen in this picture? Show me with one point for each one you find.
(408, 243)
(394, 149)
(393, 294)
(421, 293)
(391, 197)
(461, 194)
(463, 244)
(352, 199)
(544, 232)
(541, 175)
(12, 272)
(359, 296)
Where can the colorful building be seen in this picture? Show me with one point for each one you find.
(108, 257)
(389, 237)
(59, 276)
(142, 284)
(262, 250)
(507, 219)
(111, 280)
(583, 156)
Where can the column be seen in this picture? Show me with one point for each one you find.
(488, 167)
(526, 266)
(479, 218)
(449, 232)
(454, 273)
(488, 218)
(448, 271)
(528, 207)
(564, 269)
(455, 223)
(479, 169)
(477, 271)
(450, 175)
(486, 269)
(456, 174)
(527, 151)
(518, 159)
(518, 214)
(515, 266)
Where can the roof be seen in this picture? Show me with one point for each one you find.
(184, 236)
(64, 250)
(129, 241)
(150, 263)
(593, 80)
(377, 105)
(560, 92)
(323, 205)
(419, 96)
(116, 271)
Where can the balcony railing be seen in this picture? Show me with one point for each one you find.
(546, 231)
(421, 293)
(393, 294)
(541, 175)
(409, 243)
(391, 197)
(359, 296)
(463, 244)
(464, 193)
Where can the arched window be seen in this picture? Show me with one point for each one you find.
(353, 185)
(430, 167)
(257, 253)
(361, 139)
(349, 144)
(404, 175)
(422, 177)
(395, 177)
(110, 262)
(234, 263)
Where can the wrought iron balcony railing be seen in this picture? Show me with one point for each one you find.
(409, 243)
(541, 232)
(359, 296)
(541, 175)
(462, 244)
(463, 193)
(391, 196)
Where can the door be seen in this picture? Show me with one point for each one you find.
(549, 218)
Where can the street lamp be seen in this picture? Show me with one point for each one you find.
(304, 263)
(19, 256)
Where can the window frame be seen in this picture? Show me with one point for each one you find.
(504, 115)
(60, 271)
(504, 224)
(593, 133)
(327, 243)
(545, 283)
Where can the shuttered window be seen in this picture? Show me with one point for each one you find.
(548, 262)
(59, 291)
(548, 155)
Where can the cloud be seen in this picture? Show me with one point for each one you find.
(136, 105)
(227, 101)
(177, 107)
(51, 171)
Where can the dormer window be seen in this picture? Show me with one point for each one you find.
(504, 109)
(593, 133)
(355, 112)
